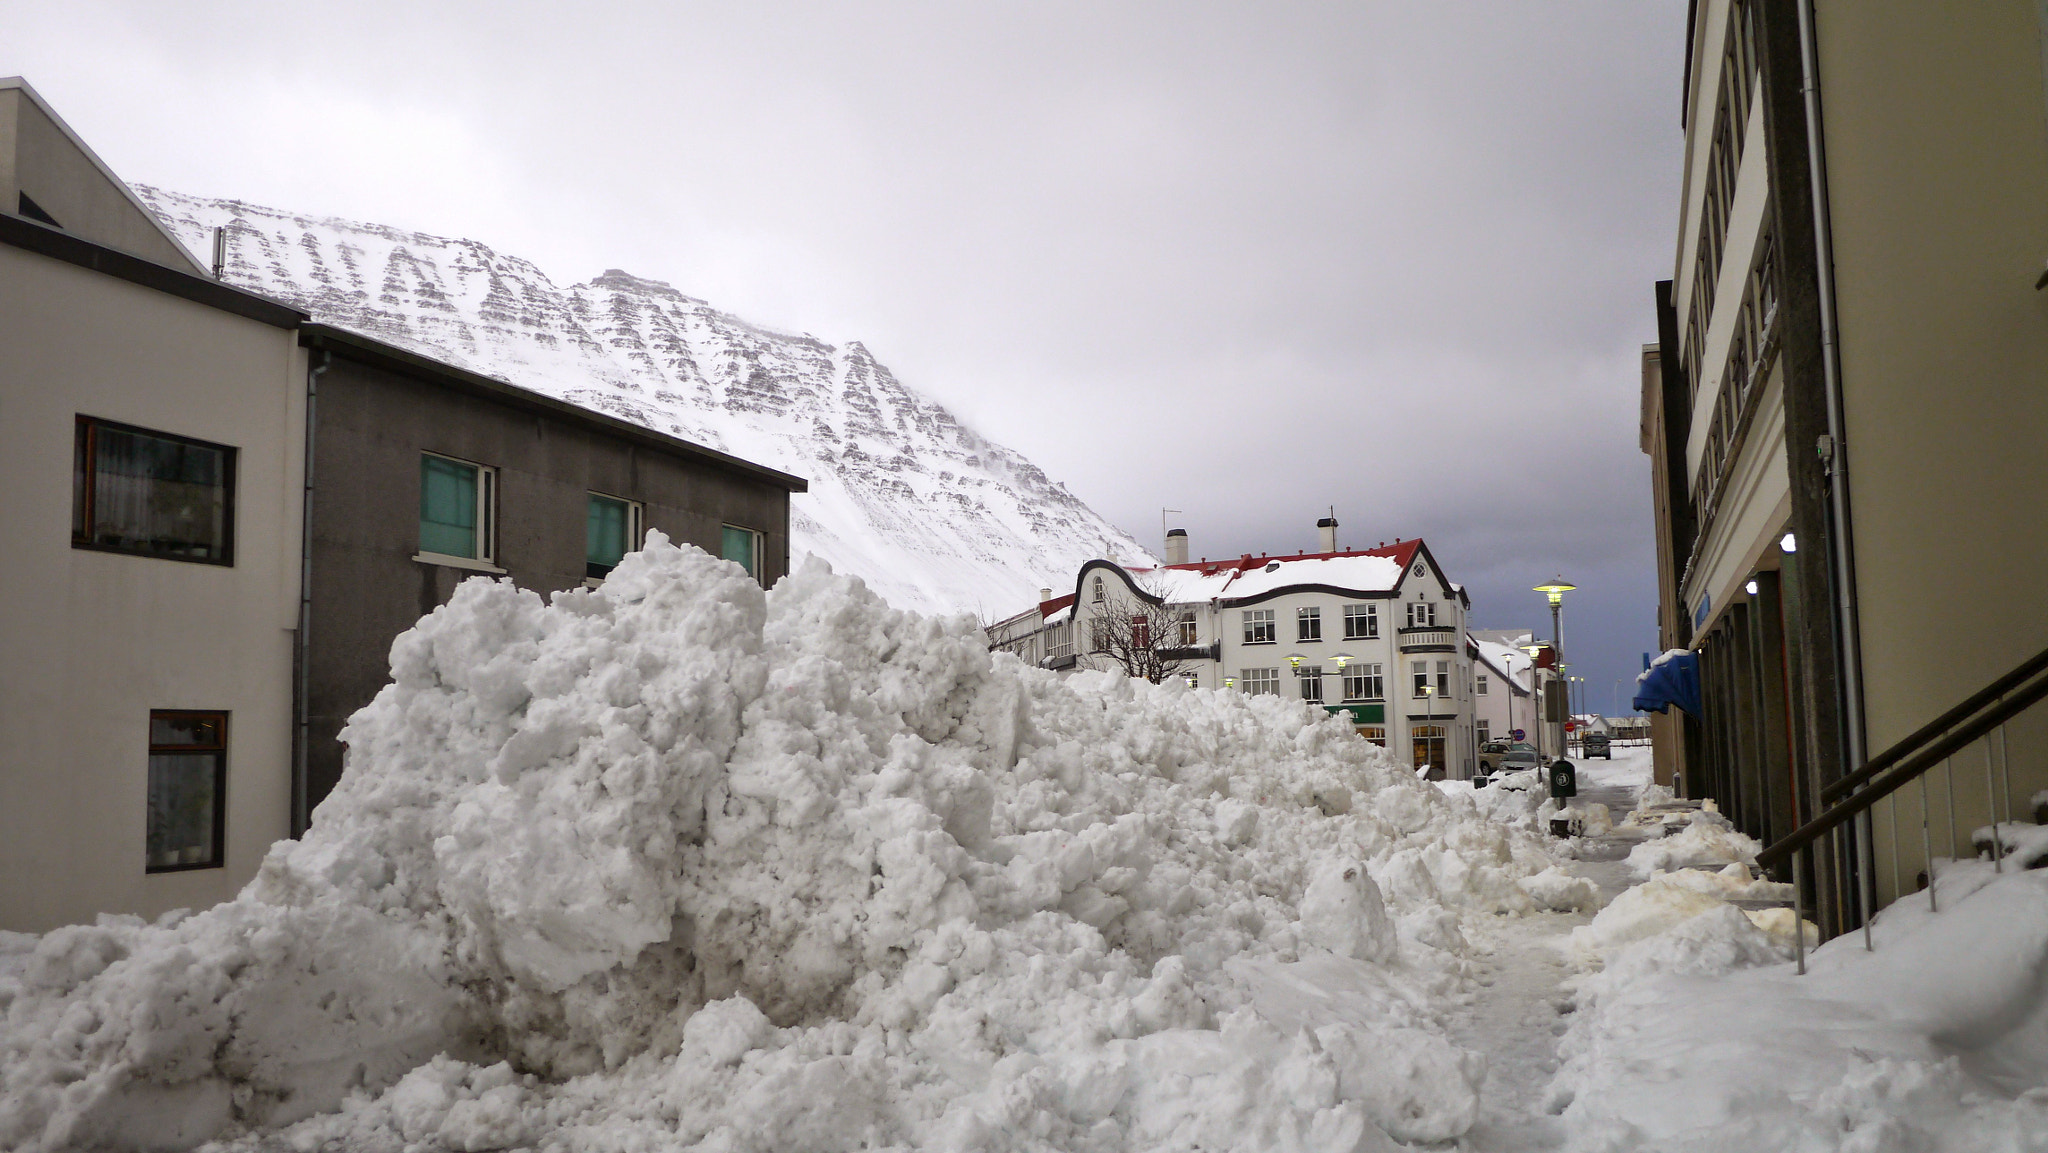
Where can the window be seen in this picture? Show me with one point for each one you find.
(742, 546)
(1098, 637)
(1310, 679)
(1258, 626)
(1482, 732)
(1308, 624)
(1141, 633)
(1377, 734)
(611, 530)
(1479, 688)
(1443, 680)
(188, 784)
(1099, 597)
(1361, 622)
(456, 508)
(1256, 681)
(1364, 682)
(1188, 635)
(151, 494)
(1194, 680)
(1421, 614)
(1420, 671)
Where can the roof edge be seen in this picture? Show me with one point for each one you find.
(71, 248)
(78, 142)
(393, 358)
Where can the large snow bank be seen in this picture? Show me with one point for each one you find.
(1707, 839)
(1698, 1037)
(677, 862)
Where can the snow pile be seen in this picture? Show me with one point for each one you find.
(1707, 839)
(676, 862)
(1699, 1038)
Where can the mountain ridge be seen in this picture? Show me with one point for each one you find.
(929, 512)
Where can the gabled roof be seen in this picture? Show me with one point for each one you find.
(1378, 571)
(119, 186)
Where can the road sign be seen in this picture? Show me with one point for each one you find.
(1518, 734)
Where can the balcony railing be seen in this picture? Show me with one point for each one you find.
(1428, 639)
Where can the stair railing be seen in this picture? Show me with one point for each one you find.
(1978, 718)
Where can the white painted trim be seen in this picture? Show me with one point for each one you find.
(463, 562)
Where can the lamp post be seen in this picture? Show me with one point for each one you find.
(1555, 591)
(1535, 694)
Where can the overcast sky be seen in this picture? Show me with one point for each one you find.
(1247, 261)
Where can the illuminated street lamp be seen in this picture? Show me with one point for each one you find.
(1555, 590)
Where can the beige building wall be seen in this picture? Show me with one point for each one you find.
(90, 641)
(40, 156)
(1937, 155)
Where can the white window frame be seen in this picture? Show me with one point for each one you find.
(1479, 684)
(1253, 619)
(636, 531)
(1259, 682)
(486, 559)
(759, 549)
(1370, 679)
(1361, 622)
(1187, 632)
(1308, 620)
(1418, 672)
(1421, 614)
(1309, 678)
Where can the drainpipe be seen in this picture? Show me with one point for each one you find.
(1834, 454)
(302, 752)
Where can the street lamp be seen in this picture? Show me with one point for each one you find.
(1555, 590)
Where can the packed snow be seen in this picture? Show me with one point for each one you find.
(676, 863)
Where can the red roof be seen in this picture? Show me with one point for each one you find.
(1401, 551)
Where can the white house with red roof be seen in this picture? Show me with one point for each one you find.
(1378, 634)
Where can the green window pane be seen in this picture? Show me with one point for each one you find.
(604, 537)
(447, 507)
(739, 548)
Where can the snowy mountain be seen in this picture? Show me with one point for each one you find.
(930, 513)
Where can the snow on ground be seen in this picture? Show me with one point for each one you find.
(679, 864)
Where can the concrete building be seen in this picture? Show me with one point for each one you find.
(1845, 413)
(183, 656)
(1503, 698)
(150, 459)
(425, 475)
(1377, 634)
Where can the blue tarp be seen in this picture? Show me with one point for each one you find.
(1674, 680)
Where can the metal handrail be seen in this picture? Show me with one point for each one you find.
(1928, 731)
(1905, 765)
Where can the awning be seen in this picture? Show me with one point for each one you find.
(1673, 680)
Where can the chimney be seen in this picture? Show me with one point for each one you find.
(1327, 528)
(1176, 546)
(1044, 595)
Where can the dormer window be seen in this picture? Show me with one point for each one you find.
(1100, 596)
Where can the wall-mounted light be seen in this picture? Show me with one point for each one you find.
(1342, 659)
(1750, 588)
(1296, 660)
(1229, 682)
(1788, 543)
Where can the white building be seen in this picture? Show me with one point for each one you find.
(1378, 634)
(1502, 699)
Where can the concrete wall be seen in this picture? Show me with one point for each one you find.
(373, 425)
(39, 157)
(90, 641)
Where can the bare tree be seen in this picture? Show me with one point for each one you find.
(1144, 636)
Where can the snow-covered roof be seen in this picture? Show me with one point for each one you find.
(1510, 661)
(1364, 571)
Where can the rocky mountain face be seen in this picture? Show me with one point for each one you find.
(930, 513)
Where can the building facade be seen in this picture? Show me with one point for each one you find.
(1845, 399)
(1376, 634)
(179, 648)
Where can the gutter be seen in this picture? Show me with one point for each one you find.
(1833, 448)
(301, 816)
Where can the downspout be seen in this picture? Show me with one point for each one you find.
(1833, 451)
(303, 746)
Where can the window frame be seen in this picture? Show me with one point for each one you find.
(1254, 617)
(1369, 613)
(1308, 624)
(636, 512)
(1259, 682)
(84, 489)
(760, 547)
(1309, 679)
(1418, 671)
(219, 751)
(1479, 684)
(486, 517)
(1187, 631)
(1369, 676)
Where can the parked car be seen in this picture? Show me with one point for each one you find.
(1519, 759)
(1596, 745)
(1490, 754)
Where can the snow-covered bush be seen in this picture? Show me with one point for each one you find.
(677, 861)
